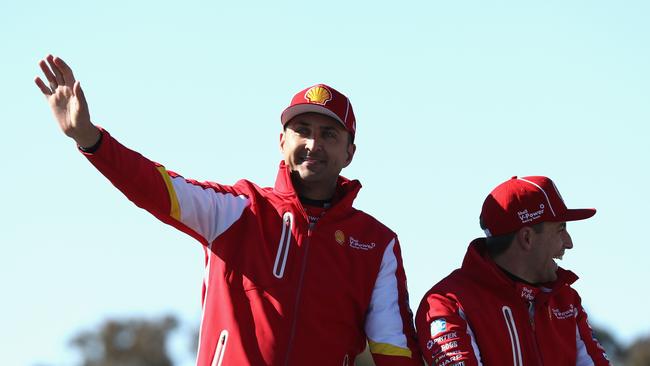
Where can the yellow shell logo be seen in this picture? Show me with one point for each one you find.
(339, 236)
(318, 95)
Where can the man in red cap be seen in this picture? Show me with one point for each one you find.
(294, 274)
(509, 303)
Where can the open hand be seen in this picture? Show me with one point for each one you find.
(67, 101)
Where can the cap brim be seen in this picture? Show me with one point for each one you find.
(297, 109)
(578, 214)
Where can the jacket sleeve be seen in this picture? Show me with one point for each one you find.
(590, 352)
(443, 333)
(201, 210)
(389, 320)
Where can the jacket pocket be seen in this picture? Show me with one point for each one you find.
(283, 246)
(221, 348)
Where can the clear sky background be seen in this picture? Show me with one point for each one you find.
(451, 99)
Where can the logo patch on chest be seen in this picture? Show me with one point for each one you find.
(339, 237)
(571, 312)
(356, 244)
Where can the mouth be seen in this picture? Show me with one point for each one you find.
(309, 160)
(557, 257)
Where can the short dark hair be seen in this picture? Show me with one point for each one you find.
(497, 245)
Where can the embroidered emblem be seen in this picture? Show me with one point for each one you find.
(571, 312)
(356, 244)
(527, 293)
(339, 236)
(526, 216)
(318, 95)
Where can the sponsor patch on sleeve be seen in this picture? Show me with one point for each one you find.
(438, 326)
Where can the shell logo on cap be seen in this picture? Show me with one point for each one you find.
(318, 95)
(339, 236)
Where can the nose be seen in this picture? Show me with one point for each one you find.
(313, 143)
(567, 242)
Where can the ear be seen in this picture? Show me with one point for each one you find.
(525, 238)
(352, 148)
(282, 142)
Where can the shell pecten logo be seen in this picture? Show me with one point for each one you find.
(339, 237)
(318, 95)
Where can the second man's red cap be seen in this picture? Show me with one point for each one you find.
(526, 201)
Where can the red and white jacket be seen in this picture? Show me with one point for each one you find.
(277, 292)
(479, 316)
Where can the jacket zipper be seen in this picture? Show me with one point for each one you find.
(531, 317)
(310, 229)
(294, 322)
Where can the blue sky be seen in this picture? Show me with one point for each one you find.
(451, 99)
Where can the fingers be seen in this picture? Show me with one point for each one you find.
(57, 72)
(48, 74)
(65, 70)
(41, 85)
(79, 93)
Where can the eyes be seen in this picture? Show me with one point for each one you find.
(561, 229)
(330, 134)
(325, 133)
(302, 131)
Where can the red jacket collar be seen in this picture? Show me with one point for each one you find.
(478, 265)
(346, 189)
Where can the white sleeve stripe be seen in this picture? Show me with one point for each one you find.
(207, 211)
(584, 359)
(206, 281)
(383, 320)
(477, 352)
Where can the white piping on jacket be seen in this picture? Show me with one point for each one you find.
(283, 245)
(514, 336)
(221, 348)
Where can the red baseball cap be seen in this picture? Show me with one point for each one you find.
(322, 99)
(526, 201)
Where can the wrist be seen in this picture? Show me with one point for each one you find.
(89, 139)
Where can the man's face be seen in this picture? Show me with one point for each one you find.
(315, 148)
(549, 245)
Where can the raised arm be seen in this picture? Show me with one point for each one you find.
(201, 210)
(67, 101)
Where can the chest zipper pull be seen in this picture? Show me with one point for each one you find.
(531, 313)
